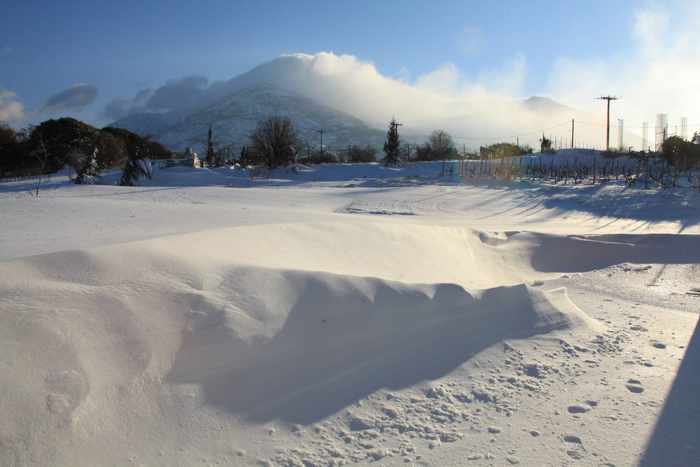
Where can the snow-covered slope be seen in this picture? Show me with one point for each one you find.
(235, 116)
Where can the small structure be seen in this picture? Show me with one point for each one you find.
(193, 158)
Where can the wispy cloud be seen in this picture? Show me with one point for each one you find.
(72, 99)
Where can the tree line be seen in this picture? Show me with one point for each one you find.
(55, 144)
(274, 143)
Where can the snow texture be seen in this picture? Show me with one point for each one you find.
(213, 317)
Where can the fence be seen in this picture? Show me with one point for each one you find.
(644, 170)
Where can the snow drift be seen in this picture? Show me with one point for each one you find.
(329, 340)
(141, 346)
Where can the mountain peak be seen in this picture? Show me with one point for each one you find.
(545, 104)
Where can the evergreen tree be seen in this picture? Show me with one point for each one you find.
(392, 144)
(87, 168)
(545, 144)
(211, 154)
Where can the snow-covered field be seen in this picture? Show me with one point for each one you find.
(348, 314)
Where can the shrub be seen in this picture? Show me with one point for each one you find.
(59, 138)
(55, 143)
(135, 168)
(10, 150)
(134, 143)
(359, 154)
(680, 153)
(546, 144)
(500, 150)
(319, 157)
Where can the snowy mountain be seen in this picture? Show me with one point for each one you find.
(546, 105)
(323, 95)
(234, 116)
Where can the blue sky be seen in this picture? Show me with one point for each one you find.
(121, 47)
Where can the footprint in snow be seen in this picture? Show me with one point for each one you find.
(635, 386)
(579, 408)
(575, 445)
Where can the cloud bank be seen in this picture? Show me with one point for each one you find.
(175, 95)
(72, 99)
(443, 98)
(660, 74)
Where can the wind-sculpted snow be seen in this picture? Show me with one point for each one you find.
(98, 336)
(157, 350)
(332, 340)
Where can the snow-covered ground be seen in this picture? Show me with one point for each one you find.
(348, 314)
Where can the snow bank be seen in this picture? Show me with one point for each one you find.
(329, 340)
(113, 349)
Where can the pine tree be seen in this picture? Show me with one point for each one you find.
(545, 144)
(211, 154)
(392, 144)
(88, 169)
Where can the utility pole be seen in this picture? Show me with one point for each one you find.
(572, 133)
(607, 120)
(321, 133)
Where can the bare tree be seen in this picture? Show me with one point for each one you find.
(441, 145)
(41, 154)
(275, 142)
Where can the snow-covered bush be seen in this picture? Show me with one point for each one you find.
(86, 167)
(135, 169)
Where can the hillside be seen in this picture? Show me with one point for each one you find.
(234, 117)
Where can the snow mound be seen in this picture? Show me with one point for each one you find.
(131, 338)
(328, 340)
